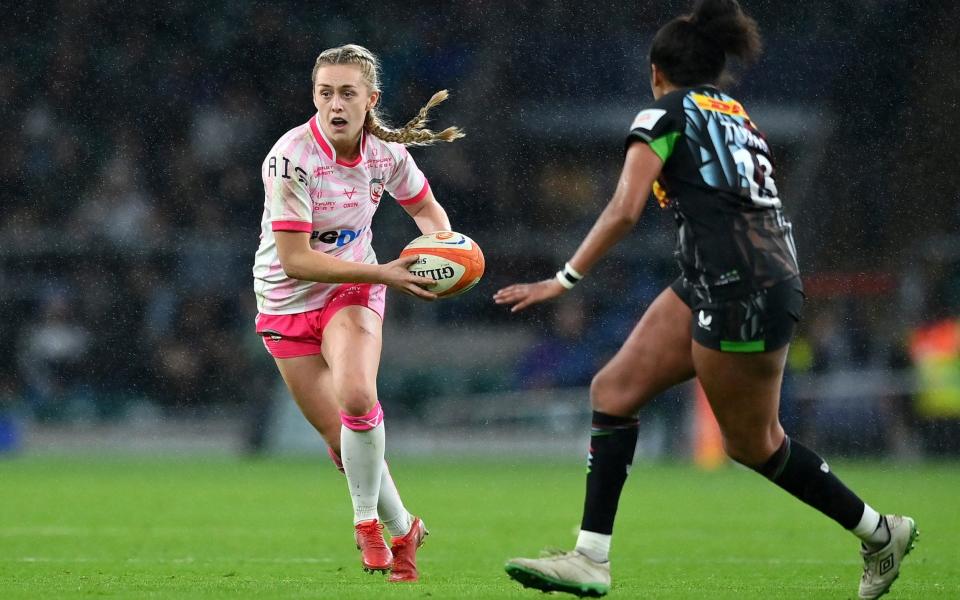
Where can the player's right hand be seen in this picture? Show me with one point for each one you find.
(522, 295)
(397, 275)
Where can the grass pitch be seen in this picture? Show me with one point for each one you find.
(179, 528)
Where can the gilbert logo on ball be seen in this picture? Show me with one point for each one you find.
(451, 259)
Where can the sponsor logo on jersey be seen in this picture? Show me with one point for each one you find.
(340, 237)
(648, 118)
(322, 170)
(324, 206)
(728, 277)
(727, 107)
(349, 193)
(380, 163)
(376, 189)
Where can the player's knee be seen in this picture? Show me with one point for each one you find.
(741, 452)
(600, 392)
(357, 400)
(608, 397)
(750, 449)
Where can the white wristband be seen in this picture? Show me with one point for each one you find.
(564, 281)
(568, 276)
(571, 271)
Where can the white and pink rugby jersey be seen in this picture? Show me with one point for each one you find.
(307, 188)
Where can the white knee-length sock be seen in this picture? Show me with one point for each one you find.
(392, 512)
(362, 455)
(389, 505)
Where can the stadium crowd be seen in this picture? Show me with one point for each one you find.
(131, 192)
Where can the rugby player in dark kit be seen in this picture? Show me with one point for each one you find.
(728, 319)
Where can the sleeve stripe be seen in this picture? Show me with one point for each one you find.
(643, 135)
(291, 226)
(663, 145)
(420, 196)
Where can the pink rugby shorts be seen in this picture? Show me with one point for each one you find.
(300, 334)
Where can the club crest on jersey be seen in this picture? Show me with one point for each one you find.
(376, 190)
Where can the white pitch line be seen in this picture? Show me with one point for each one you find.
(735, 560)
(183, 560)
(52, 531)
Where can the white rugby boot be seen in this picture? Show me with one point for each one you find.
(570, 572)
(882, 567)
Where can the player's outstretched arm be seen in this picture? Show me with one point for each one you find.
(300, 261)
(641, 167)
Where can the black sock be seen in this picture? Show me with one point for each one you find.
(799, 470)
(613, 441)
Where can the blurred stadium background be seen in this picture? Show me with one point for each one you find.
(133, 135)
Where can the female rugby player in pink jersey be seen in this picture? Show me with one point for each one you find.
(320, 291)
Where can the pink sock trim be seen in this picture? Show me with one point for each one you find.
(364, 423)
(336, 459)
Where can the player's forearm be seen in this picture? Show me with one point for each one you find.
(610, 228)
(431, 217)
(316, 266)
(640, 170)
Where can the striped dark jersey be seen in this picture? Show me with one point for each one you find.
(717, 175)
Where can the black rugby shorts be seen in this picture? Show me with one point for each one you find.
(759, 321)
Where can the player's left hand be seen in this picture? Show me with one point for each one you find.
(522, 295)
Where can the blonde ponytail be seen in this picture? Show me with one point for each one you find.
(414, 132)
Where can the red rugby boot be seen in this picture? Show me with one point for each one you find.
(405, 552)
(374, 553)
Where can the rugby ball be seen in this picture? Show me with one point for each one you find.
(451, 259)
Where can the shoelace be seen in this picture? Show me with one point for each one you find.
(374, 530)
(866, 565)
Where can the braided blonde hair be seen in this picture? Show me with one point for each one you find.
(414, 133)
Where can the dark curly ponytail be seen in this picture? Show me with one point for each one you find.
(692, 49)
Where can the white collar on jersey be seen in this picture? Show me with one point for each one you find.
(328, 148)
